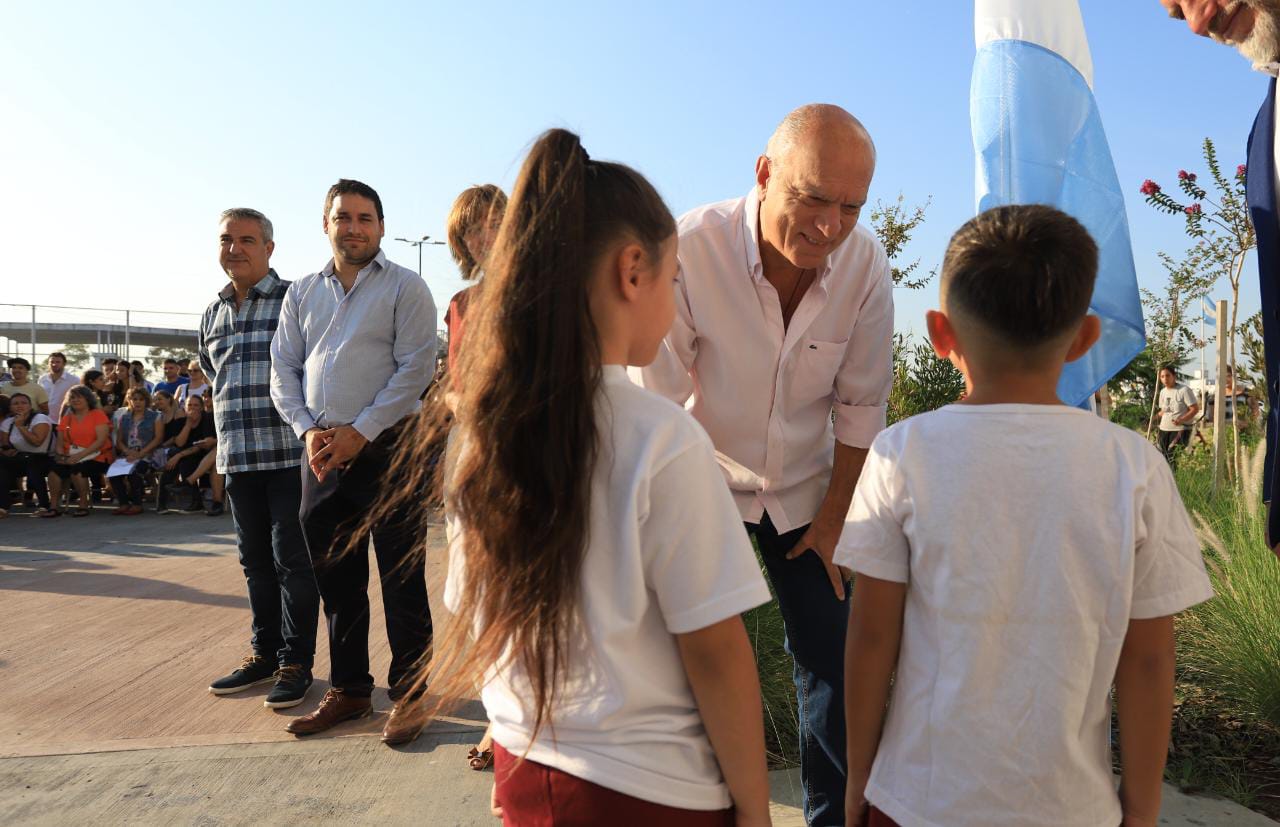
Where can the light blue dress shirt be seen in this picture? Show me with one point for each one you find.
(362, 357)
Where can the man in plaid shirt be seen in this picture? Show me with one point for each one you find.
(260, 456)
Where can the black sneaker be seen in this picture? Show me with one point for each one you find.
(292, 683)
(214, 509)
(252, 671)
(194, 507)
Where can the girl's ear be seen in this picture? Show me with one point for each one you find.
(630, 264)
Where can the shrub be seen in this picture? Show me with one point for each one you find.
(1232, 642)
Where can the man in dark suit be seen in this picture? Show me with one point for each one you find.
(1253, 27)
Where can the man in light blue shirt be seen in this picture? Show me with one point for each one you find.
(352, 355)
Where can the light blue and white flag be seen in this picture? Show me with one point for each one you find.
(1039, 140)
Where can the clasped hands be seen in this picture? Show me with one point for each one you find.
(332, 449)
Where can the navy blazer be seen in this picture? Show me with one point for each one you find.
(1261, 194)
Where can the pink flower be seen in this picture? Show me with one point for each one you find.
(1240, 171)
(1194, 209)
(1182, 175)
(1149, 187)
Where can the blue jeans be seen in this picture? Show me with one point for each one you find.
(283, 597)
(816, 622)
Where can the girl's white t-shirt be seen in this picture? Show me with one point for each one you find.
(18, 441)
(668, 554)
(1028, 536)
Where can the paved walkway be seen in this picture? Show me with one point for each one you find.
(113, 629)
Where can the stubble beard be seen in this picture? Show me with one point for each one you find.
(1262, 46)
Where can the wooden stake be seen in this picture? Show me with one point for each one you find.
(1219, 396)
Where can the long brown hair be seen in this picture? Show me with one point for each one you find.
(481, 204)
(528, 433)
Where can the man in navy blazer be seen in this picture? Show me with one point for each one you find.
(1253, 27)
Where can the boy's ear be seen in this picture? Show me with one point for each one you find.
(1086, 337)
(941, 334)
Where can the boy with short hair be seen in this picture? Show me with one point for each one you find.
(1014, 556)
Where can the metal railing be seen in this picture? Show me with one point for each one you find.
(36, 330)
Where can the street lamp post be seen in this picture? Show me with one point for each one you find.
(426, 239)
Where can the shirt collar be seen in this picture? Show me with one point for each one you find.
(380, 260)
(264, 287)
(751, 225)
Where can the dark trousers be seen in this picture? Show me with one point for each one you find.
(816, 622)
(127, 488)
(1173, 442)
(284, 600)
(34, 467)
(331, 513)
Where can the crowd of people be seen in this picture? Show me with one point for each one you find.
(111, 435)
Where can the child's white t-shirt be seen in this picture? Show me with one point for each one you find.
(1028, 536)
(667, 554)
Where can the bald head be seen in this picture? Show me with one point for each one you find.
(812, 183)
(819, 124)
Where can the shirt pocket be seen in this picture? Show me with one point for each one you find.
(813, 376)
(217, 344)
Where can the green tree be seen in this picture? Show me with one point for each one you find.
(1223, 234)
(157, 355)
(893, 225)
(921, 381)
(78, 357)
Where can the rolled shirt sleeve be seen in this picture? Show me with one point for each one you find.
(288, 353)
(865, 376)
(414, 352)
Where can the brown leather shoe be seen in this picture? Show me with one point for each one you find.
(335, 707)
(407, 719)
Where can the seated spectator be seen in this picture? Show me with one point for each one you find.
(207, 468)
(196, 439)
(138, 379)
(139, 370)
(84, 449)
(25, 438)
(173, 377)
(162, 401)
(196, 385)
(138, 436)
(23, 383)
(113, 386)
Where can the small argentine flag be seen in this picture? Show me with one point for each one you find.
(1039, 140)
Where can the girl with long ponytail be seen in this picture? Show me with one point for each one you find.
(598, 567)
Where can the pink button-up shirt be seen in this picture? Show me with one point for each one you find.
(772, 399)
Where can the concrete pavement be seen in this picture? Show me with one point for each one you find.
(114, 627)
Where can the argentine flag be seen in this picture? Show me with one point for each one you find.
(1039, 140)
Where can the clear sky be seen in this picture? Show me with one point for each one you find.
(126, 128)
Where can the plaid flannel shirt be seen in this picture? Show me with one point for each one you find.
(235, 353)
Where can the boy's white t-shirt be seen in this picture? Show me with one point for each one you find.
(667, 554)
(1028, 536)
